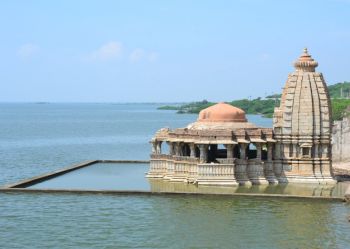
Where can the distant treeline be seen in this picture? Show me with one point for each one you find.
(339, 93)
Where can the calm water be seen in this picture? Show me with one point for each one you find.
(130, 176)
(102, 176)
(35, 139)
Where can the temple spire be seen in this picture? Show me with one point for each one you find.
(305, 62)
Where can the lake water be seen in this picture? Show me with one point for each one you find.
(37, 138)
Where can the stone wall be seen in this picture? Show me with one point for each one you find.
(341, 140)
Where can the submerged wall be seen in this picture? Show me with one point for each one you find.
(341, 140)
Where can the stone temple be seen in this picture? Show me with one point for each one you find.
(223, 148)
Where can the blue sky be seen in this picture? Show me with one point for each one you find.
(165, 51)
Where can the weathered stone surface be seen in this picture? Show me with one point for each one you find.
(341, 141)
(303, 117)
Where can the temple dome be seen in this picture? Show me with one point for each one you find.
(222, 112)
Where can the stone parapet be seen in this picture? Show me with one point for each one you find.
(216, 174)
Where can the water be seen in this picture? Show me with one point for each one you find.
(102, 176)
(131, 177)
(35, 139)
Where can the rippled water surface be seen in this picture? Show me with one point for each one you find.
(35, 139)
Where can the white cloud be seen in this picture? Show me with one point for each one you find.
(114, 50)
(137, 55)
(108, 51)
(27, 50)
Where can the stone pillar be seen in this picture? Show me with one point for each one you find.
(258, 151)
(193, 150)
(243, 150)
(241, 170)
(278, 150)
(295, 151)
(316, 150)
(203, 148)
(178, 149)
(269, 165)
(154, 147)
(269, 151)
(229, 149)
(159, 147)
(286, 152)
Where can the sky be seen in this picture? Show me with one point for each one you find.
(165, 51)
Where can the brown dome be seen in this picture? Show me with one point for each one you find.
(222, 112)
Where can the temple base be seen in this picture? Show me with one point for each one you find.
(307, 179)
(217, 182)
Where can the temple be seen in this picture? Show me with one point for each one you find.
(223, 148)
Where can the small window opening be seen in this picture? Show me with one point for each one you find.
(306, 151)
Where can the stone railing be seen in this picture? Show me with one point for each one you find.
(185, 159)
(158, 168)
(226, 160)
(177, 168)
(216, 169)
(185, 168)
(161, 156)
(227, 171)
(175, 158)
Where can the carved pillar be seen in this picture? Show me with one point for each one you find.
(203, 148)
(286, 152)
(229, 149)
(243, 150)
(278, 150)
(193, 150)
(159, 147)
(295, 151)
(300, 151)
(269, 165)
(154, 147)
(258, 151)
(178, 149)
(316, 150)
(269, 151)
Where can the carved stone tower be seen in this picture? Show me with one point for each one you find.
(302, 126)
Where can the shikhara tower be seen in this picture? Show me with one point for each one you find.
(302, 126)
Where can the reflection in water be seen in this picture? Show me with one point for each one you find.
(120, 176)
(337, 190)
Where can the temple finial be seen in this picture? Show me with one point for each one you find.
(305, 62)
